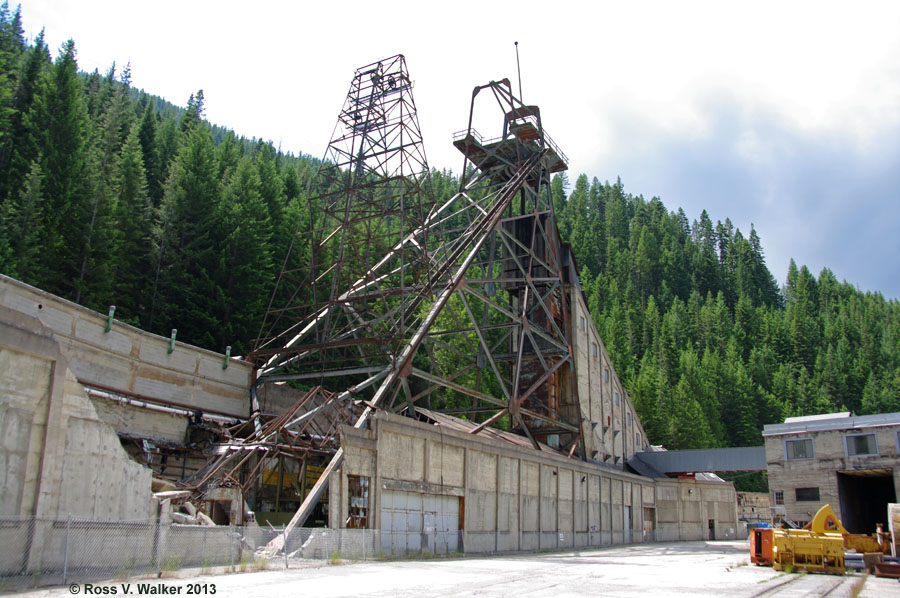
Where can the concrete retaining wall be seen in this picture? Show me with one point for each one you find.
(58, 457)
(132, 361)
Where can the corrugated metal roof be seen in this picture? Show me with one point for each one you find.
(462, 425)
(837, 421)
(643, 468)
(747, 458)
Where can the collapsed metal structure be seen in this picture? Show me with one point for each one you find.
(395, 298)
(305, 431)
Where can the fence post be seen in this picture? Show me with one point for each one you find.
(158, 547)
(66, 550)
(285, 547)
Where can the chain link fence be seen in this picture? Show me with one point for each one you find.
(41, 552)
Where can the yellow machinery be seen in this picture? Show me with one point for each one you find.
(819, 547)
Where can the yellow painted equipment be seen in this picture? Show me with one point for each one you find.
(877, 542)
(817, 548)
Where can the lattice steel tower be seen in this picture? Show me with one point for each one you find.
(409, 303)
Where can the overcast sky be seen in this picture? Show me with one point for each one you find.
(781, 114)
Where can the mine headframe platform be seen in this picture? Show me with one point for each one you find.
(523, 135)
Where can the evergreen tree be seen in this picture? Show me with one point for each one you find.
(58, 129)
(150, 153)
(244, 278)
(19, 147)
(187, 262)
(9, 51)
(20, 227)
(135, 217)
(195, 112)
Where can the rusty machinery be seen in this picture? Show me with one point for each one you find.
(817, 547)
(395, 297)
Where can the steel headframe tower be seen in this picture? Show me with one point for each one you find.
(339, 308)
(458, 305)
(513, 307)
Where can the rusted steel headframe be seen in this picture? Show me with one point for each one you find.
(522, 326)
(341, 301)
(400, 298)
(376, 252)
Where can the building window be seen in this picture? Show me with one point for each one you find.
(581, 323)
(628, 418)
(617, 398)
(779, 497)
(807, 494)
(637, 439)
(858, 445)
(801, 448)
(358, 491)
(596, 350)
(606, 375)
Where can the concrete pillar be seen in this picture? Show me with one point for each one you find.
(521, 503)
(467, 465)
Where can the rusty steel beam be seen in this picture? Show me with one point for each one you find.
(382, 273)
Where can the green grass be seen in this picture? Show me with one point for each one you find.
(250, 562)
(169, 565)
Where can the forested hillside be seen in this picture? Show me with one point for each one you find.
(112, 196)
(708, 346)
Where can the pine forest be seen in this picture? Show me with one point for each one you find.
(112, 196)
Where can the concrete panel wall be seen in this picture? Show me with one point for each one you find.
(60, 458)
(135, 422)
(132, 361)
(685, 507)
(521, 499)
(23, 420)
(610, 425)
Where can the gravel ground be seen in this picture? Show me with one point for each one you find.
(718, 569)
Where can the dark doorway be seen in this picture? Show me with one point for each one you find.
(864, 497)
(712, 529)
(220, 511)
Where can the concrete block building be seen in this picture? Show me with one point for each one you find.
(849, 462)
(430, 486)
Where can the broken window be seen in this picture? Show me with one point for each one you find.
(802, 448)
(358, 491)
(861, 444)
